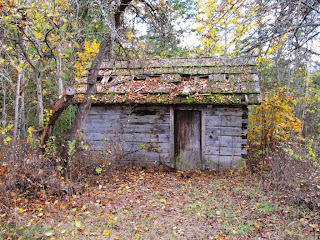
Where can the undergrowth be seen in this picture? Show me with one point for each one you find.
(150, 204)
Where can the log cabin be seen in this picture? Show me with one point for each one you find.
(188, 113)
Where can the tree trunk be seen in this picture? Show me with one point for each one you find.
(20, 81)
(22, 120)
(304, 128)
(3, 113)
(39, 97)
(16, 101)
(57, 109)
(85, 105)
(59, 70)
(225, 39)
(37, 73)
(106, 47)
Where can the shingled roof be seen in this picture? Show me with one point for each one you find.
(176, 81)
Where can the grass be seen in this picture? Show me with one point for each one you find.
(140, 204)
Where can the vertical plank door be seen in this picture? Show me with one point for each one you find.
(187, 139)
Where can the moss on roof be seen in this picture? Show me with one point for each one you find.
(177, 81)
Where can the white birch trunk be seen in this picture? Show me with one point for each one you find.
(22, 120)
(307, 92)
(3, 118)
(17, 98)
(59, 70)
(225, 39)
(39, 98)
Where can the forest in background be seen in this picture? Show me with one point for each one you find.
(45, 45)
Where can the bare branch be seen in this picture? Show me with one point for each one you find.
(311, 7)
(26, 55)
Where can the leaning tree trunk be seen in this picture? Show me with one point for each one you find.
(106, 47)
(57, 109)
(85, 105)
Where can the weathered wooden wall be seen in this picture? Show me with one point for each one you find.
(142, 133)
(144, 136)
(226, 136)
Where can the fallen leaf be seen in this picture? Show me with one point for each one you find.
(78, 224)
(49, 234)
(83, 208)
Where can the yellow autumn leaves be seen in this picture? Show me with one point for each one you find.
(81, 228)
(274, 119)
(222, 25)
(84, 57)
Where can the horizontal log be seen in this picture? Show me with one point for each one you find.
(109, 110)
(161, 108)
(224, 151)
(147, 128)
(147, 119)
(224, 131)
(132, 146)
(127, 137)
(101, 127)
(103, 118)
(147, 138)
(129, 119)
(224, 121)
(145, 156)
(225, 161)
(125, 109)
(189, 71)
(150, 147)
(225, 141)
(103, 137)
(164, 63)
(225, 111)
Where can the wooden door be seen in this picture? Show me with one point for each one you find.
(187, 139)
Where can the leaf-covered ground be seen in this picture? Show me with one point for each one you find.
(146, 204)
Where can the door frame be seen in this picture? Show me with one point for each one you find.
(202, 110)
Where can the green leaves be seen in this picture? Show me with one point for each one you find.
(5, 133)
(47, 115)
(71, 147)
(98, 170)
